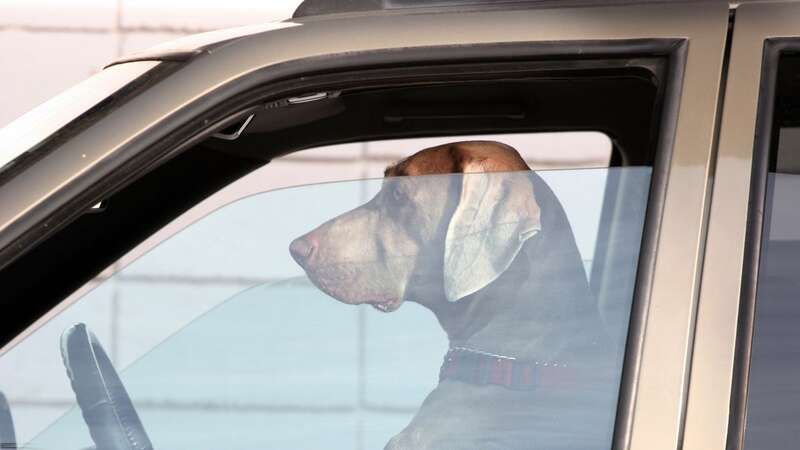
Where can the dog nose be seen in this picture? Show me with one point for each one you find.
(301, 250)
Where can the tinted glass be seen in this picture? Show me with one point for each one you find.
(773, 411)
(439, 311)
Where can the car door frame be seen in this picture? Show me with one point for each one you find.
(108, 152)
(717, 402)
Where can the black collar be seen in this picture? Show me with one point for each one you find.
(483, 368)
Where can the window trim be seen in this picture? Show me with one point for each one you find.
(714, 411)
(165, 137)
(673, 50)
(660, 387)
(764, 138)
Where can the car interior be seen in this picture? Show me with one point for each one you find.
(623, 98)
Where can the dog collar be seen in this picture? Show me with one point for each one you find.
(484, 368)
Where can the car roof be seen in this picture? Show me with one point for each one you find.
(186, 48)
(310, 8)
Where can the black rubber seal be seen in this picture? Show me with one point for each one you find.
(764, 139)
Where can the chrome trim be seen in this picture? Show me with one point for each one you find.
(310, 98)
(235, 135)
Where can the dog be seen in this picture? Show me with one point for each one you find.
(467, 230)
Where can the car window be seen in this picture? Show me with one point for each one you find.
(621, 103)
(773, 405)
(459, 309)
(359, 160)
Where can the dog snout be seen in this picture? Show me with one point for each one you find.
(302, 249)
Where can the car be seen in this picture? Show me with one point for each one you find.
(150, 299)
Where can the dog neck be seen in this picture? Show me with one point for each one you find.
(487, 318)
(540, 308)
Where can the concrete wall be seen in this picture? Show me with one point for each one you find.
(47, 46)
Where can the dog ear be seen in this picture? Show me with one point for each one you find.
(496, 213)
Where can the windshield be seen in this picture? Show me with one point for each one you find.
(478, 310)
(35, 126)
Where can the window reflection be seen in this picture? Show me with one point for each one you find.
(269, 354)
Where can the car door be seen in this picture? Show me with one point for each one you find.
(211, 89)
(744, 364)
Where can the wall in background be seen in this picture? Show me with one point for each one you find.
(46, 46)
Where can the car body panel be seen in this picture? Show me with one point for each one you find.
(661, 378)
(715, 352)
(25, 133)
(189, 47)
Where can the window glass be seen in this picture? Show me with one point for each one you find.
(774, 400)
(361, 160)
(773, 409)
(453, 310)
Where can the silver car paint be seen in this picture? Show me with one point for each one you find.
(663, 376)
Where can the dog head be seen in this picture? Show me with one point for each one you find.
(426, 234)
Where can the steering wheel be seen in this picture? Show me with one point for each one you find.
(8, 439)
(107, 409)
